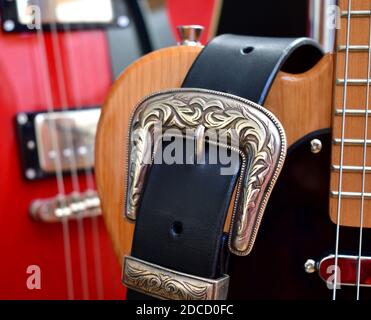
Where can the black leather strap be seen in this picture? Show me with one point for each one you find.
(183, 208)
(246, 66)
(180, 221)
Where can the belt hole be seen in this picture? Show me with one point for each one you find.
(176, 228)
(247, 50)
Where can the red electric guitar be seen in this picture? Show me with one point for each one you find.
(57, 62)
(53, 244)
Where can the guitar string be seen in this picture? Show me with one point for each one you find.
(90, 182)
(91, 187)
(88, 173)
(55, 144)
(79, 219)
(341, 153)
(359, 262)
(69, 152)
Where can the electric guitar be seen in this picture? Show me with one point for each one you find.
(56, 68)
(314, 241)
(57, 62)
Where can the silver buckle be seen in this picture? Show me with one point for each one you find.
(261, 140)
(163, 283)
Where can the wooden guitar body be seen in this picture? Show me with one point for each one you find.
(159, 70)
(302, 102)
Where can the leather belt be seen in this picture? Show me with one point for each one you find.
(246, 66)
(183, 208)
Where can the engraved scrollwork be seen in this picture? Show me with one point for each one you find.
(164, 283)
(261, 140)
(161, 284)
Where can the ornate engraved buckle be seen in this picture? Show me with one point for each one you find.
(262, 144)
(164, 283)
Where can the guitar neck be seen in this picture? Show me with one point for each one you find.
(350, 189)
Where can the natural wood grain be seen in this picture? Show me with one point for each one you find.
(350, 209)
(156, 71)
(302, 102)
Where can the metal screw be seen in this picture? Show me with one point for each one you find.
(52, 154)
(22, 118)
(67, 152)
(9, 25)
(123, 21)
(31, 174)
(315, 146)
(31, 145)
(82, 151)
(310, 266)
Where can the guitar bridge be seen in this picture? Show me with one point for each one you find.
(73, 206)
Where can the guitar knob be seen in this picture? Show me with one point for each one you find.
(190, 35)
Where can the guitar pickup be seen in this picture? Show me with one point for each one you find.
(347, 274)
(24, 16)
(56, 141)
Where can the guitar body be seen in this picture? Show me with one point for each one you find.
(25, 242)
(296, 226)
(161, 69)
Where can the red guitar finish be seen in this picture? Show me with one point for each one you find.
(193, 12)
(87, 77)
